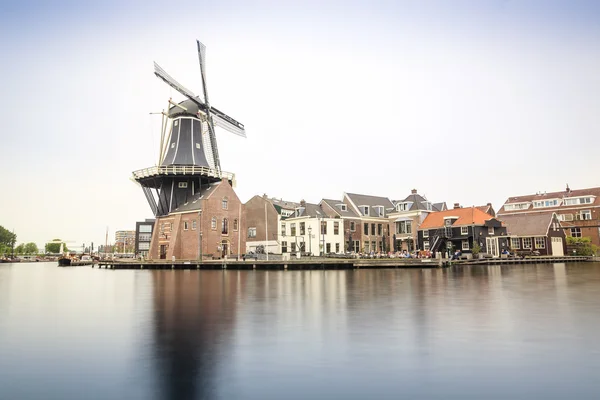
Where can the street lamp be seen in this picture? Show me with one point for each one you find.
(310, 240)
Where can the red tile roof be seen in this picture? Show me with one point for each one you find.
(466, 216)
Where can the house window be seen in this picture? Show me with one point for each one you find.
(404, 227)
(515, 243)
(302, 246)
(540, 243)
(284, 247)
(293, 246)
(565, 217)
(146, 228)
(144, 237)
(366, 228)
(426, 245)
(182, 185)
(366, 247)
(464, 230)
(251, 232)
(356, 247)
(585, 215)
(283, 229)
(352, 226)
(235, 224)
(213, 223)
(225, 226)
(194, 225)
(336, 228)
(185, 225)
(527, 243)
(323, 227)
(364, 210)
(379, 229)
(426, 233)
(293, 229)
(576, 232)
(465, 245)
(224, 204)
(373, 245)
(302, 226)
(373, 229)
(337, 247)
(490, 230)
(448, 222)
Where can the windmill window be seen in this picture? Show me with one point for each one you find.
(185, 225)
(197, 145)
(182, 185)
(213, 223)
(235, 224)
(225, 226)
(176, 123)
(224, 204)
(173, 145)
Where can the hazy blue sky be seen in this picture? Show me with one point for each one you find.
(466, 101)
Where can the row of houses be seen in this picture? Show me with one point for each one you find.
(215, 223)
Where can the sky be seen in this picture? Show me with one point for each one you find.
(468, 102)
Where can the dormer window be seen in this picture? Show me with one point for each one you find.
(380, 210)
(427, 205)
(402, 207)
(364, 210)
(342, 207)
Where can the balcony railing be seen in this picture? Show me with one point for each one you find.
(181, 170)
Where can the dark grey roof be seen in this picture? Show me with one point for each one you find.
(527, 224)
(440, 206)
(371, 201)
(193, 204)
(349, 213)
(289, 205)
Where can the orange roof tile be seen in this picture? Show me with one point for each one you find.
(466, 216)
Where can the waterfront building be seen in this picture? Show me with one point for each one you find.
(461, 229)
(373, 216)
(578, 210)
(351, 222)
(310, 230)
(124, 241)
(264, 217)
(540, 233)
(407, 216)
(208, 226)
(143, 236)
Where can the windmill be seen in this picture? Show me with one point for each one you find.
(188, 155)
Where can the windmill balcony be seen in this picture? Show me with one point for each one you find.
(182, 170)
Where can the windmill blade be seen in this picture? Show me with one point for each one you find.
(213, 143)
(169, 80)
(201, 58)
(224, 121)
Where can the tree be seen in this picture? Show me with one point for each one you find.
(7, 240)
(31, 248)
(20, 249)
(55, 246)
(583, 246)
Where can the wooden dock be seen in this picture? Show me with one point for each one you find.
(316, 263)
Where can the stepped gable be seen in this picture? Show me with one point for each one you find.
(465, 216)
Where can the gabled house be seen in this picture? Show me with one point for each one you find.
(373, 216)
(406, 217)
(351, 222)
(539, 232)
(578, 210)
(311, 230)
(211, 224)
(264, 217)
(462, 228)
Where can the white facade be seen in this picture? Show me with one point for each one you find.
(305, 233)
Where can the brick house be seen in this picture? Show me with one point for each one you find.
(407, 216)
(578, 210)
(373, 218)
(541, 233)
(264, 216)
(213, 220)
(460, 228)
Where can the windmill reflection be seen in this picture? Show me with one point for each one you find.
(194, 318)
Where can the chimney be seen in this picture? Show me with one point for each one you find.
(265, 196)
(303, 203)
(568, 190)
(414, 191)
(456, 205)
(489, 204)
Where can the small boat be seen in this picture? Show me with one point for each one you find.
(74, 261)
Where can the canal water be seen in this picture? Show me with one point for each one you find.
(498, 332)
